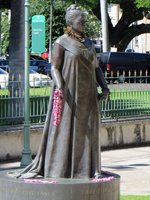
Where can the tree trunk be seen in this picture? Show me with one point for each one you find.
(121, 34)
(5, 3)
(16, 60)
(130, 33)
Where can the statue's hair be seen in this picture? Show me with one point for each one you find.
(72, 12)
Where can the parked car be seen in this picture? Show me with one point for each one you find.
(121, 63)
(37, 64)
(40, 65)
(4, 78)
(35, 79)
(38, 80)
(3, 62)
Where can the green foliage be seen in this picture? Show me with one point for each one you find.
(141, 3)
(5, 26)
(40, 7)
(58, 24)
(37, 7)
(93, 26)
(59, 9)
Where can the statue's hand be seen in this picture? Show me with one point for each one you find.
(104, 95)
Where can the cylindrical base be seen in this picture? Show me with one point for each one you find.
(106, 188)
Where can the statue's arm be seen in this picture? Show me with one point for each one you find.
(100, 79)
(102, 83)
(99, 74)
(57, 62)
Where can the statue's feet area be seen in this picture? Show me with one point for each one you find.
(106, 187)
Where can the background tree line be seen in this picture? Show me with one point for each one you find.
(120, 35)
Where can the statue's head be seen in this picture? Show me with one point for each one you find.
(75, 18)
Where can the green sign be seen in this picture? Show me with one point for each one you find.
(38, 34)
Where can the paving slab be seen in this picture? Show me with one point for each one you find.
(133, 166)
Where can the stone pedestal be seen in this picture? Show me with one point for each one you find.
(106, 188)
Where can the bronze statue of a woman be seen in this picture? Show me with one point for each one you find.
(69, 147)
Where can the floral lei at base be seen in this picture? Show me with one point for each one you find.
(40, 181)
(95, 180)
(104, 179)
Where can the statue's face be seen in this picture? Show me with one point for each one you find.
(78, 24)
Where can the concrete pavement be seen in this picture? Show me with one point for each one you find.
(132, 164)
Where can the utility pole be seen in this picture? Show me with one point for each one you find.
(50, 32)
(104, 20)
(26, 153)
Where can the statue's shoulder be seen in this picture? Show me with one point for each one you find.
(62, 39)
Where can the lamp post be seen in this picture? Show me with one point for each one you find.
(26, 153)
(104, 20)
(50, 32)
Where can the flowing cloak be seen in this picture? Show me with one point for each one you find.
(70, 150)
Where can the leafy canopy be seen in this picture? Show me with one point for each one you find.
(59, 9)
(143, 3)
(139, 3)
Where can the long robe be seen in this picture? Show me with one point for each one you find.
(71, 149)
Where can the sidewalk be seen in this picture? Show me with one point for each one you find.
(133, 166)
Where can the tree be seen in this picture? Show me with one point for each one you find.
(5, 3)
(16, 59)
(119, 35)
(141, 3)
(59, 9)
(5, 26)
(122, 33)
(125, 30)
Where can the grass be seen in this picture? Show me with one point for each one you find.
(134, 197)
(43, 91)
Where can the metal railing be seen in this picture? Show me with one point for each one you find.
(12, 104)
(127, 100)
(123, 76)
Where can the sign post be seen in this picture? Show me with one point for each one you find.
(26, 153)
(104, 19)
(38, 34)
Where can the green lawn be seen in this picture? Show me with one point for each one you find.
(43, 91)
(132, 197)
